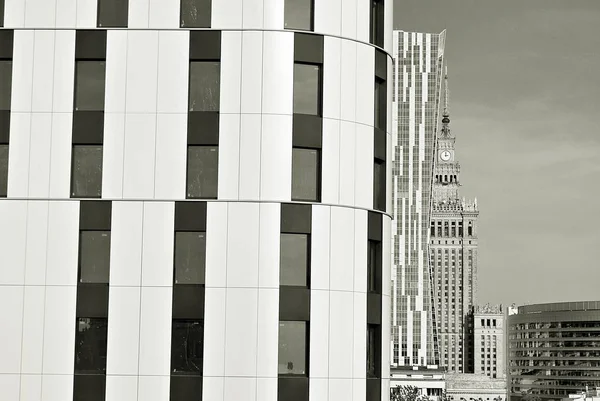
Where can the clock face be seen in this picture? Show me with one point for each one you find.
(445, 155)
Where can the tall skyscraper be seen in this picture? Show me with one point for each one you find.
(418, 60)
(194, 200)
(453, 250)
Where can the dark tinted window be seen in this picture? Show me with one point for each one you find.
(292, 348)
(5, 83)
(94, 256)
(380, 103)
(190, 257)
(204, 85)
(377, 22)
(305, 174)
(86, 177)
(187, 346)
(307, 93)
(374, 262)
(195, 13)
(90, 345)
(202, 173)
(298, 14)
(379, 185)
(3, 170)
(373, 361)
(294, 260)
(89, 85)
(113, 13)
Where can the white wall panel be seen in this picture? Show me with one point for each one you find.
(216, 244)
(171, 156)
(213, 387)
(266, 389)
(157, 250)
(359, 389)
(385, 337)
(153, 388)
(318, 389)
(252, 14)
(268, 334)
(142, 71)
(155, 333)
(123, 331)
(231, 72)
(33, 329)
(57, 387)
(214, 332)
(347, 163)
(340, 336)
(388, 28)
(22, 75)
(64, 69)
(31, 387)
(164, 14)
(116, 70)
(342, 239)
(66, 14)
(328, 19)
(238, 388)
(274, 13)
(330, 174)
(365, 84)
(241, 335)
(139, 156)
(348, 80)
(59, 333)
(276, 158)
(14, 14)
(242, 245)
(349, 18)
(229, 156)
(363, 20)
(87, 14)
(320, 247)
(249, 181)
(10, 385)
(11, 313)
(332, 99)
(226, 14)
(126, 244)
(269, 245)
(40, 13)
(13, 241)
(37, 238)
(363, 182)
(138, 14)
(173, 71)
(278, 72)
(112, 155)
(121, 388)
(359, 354)
(39, 155)
(360, 250)
(389, 177)
(252, 74)
(60, 155)
(43, 69)
(319, 333)
(18, 154)
(63, 243)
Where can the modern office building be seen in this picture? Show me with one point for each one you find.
(486, 351)
(195, 200)
(453, 250)
(553, 350)
(418, 60)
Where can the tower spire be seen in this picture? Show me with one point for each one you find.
(446, 113)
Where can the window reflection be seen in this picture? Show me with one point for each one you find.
(305, 174)
(298, 14)
(294, 259)
(204, 85)
(292, 348)
(89, 85)
(307, 83)
(195, 13)
(202, 172)
(190, 257)
(187, 346)
(94, 257)
(86, 179)
(5, 83)
(113, 13)
(90, 345)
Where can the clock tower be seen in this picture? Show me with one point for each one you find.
(453, 252)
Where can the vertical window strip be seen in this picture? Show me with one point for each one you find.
(374, 305)
(6, 65)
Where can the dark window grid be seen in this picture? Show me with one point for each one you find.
(306, 351)
(287, 12)
(308, 260)
(195, 279)
(318, 177)
(102, 239)
(187, 347)
(195, 13)
(88, 61)
(91, 340)
(94, 192)
(319, 86)
(202, 186)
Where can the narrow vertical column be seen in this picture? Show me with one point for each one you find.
(91, 326)
(6, 55)
(374, 299)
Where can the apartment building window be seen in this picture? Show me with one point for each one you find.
(307, 89)
(470, 229)
(377, 22)
(202, 171)
(187, 346)
(195, 13)
(190, 257)
(205, 81)
(86, 177)
(94, 256)
(374, 262)
(1, 13)
(5, 82)
(293, 348)
(380, 103)
(299, 14)
(90, 345)
(374, 305)
(89, 84)
(113, 13)
(294, 259)
(306, 174)
(373, 352)
(380, 129)
(379, 184)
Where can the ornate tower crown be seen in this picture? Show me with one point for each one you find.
(446, 112)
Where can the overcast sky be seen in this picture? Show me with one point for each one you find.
(524, 79)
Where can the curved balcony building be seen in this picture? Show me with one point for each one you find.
(195, 200)
(554, 349)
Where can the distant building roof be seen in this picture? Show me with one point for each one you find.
(473, 381)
